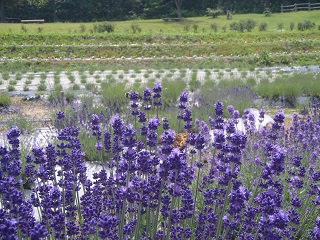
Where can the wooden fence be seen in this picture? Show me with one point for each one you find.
(300, 6)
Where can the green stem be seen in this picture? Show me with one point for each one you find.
(123, 210)
(195, 200)
(155, 225)
(223, 210)
(169, 223)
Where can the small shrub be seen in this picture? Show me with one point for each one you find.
(195, 27)
(214, 27)
(23, 29)
(291, 26)
(103, 27)
(263, 26)
(30, 77)
(71, 78)
(82, 28)
(244, 24)
(56, 80)
(229, 15)
(43, 76)
(11, 88)
(234, 26)
(75, 87)
(265, 58)
(5, 75)
(308, 24)
(186, 28)
(40, 29)
(89, 86)
(13, 82)
(83, 79)
(250, 24)
(27, 82)
(18, 76)
(5, 100)
(42, 87)
(305, 25)
(26, 88)
(58, 87)
(214, 13)
(280, 26)
(267, 12)
(135, 28)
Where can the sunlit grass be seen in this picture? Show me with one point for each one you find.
(158, 26)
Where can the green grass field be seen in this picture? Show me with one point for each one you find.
(158, 26)
(190, 43)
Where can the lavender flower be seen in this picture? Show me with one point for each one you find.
(146, 97)
(157, 94)
(134, 96)
(183, 100)
(95, 126)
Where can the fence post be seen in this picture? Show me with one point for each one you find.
(309, 6)
(281, 8)
(295, 7)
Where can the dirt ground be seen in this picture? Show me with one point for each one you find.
(37, 112)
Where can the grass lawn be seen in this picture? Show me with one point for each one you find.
(158, 26)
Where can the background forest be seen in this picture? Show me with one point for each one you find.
(107, 10)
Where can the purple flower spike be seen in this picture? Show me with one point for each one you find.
(230, 110)
(60, 115)
(165, 124)
(157, 88)
(219, 108)
(147, 98)
(315, 233)
(157, 94)
(95, 126)
(117, 125)
(109, 226)
(183, 100)
(13, 136)
(38, 232)
(107, 141)
(154, 123)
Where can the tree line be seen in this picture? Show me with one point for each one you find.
(109, 10)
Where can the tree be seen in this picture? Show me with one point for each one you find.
(54, 4)
(2, 10)
(178, 5)
(4, 4)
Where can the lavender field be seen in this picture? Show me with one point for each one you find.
(203, 180)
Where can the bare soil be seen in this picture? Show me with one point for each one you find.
(37, 112)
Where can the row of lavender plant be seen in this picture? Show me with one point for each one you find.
(262, 184)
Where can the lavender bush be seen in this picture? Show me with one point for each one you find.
(219, 184)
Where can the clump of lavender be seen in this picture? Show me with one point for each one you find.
(231, 185)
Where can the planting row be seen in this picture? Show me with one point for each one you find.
(151, 50)
(153, 38)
